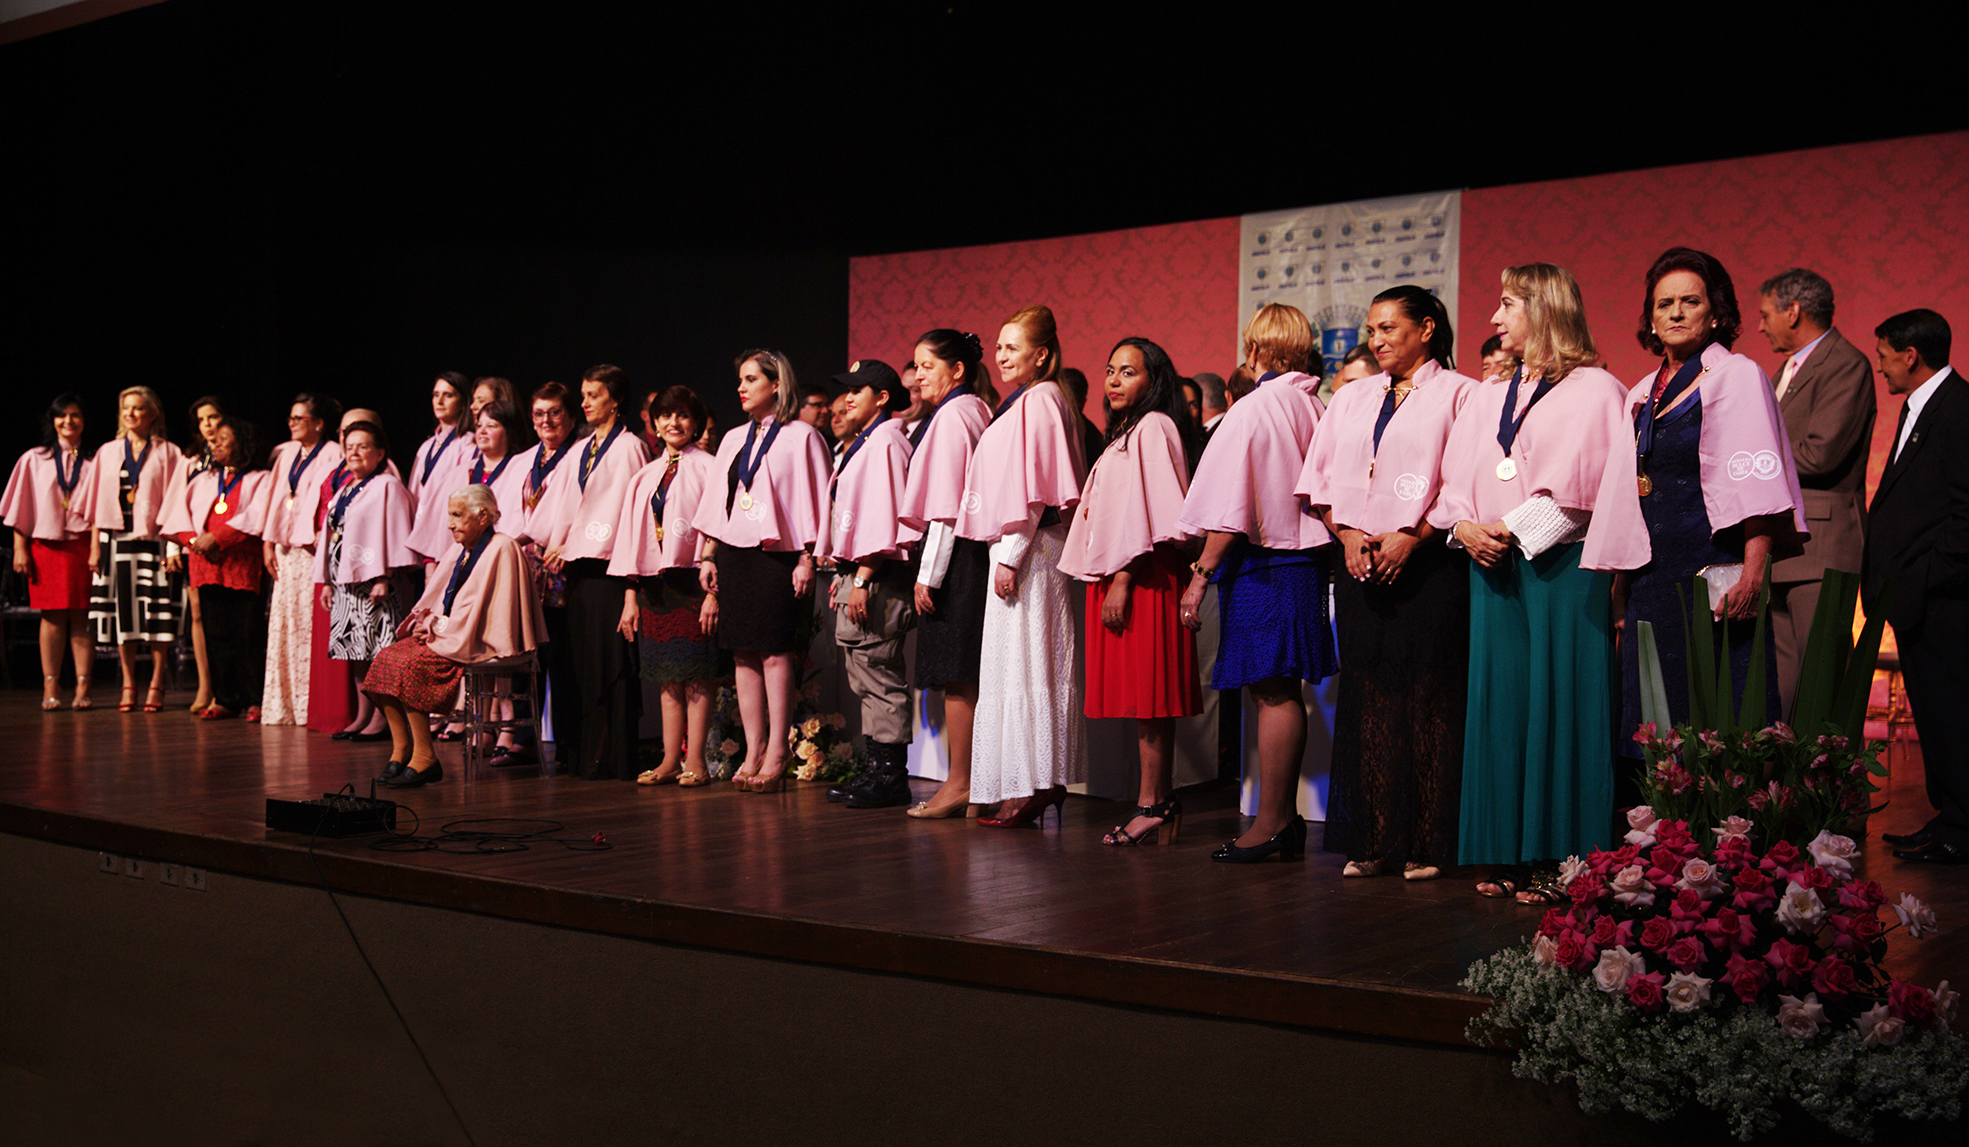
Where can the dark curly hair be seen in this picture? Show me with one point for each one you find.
(1715, 280)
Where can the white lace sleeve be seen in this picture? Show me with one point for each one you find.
(1541, 523)
(1010, 549)
(938, 542)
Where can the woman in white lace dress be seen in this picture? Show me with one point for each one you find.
(1023, 482)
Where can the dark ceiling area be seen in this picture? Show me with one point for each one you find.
(251, 199)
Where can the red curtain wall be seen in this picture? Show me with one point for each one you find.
(1886, 223)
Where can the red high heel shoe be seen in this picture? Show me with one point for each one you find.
(1031, 811)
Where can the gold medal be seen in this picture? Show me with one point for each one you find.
(659, 533)
(1507, 470)
(1646, 484)
(219, 507)
(745, 499)
(290, 501)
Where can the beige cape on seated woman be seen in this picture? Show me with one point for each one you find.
(496, 613)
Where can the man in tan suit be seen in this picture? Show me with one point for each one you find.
(1825, 392)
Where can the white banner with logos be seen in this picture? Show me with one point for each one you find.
(1330, 261)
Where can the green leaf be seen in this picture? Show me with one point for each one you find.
(1654, 691)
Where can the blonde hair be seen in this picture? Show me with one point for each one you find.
(1556, 339)
(151, 402)
(1037, 322)
(774, 365)
(1280, 337)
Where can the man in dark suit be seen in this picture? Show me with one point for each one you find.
(1825, 392)
(1917, 553)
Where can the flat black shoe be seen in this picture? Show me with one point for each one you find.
(1935, 854)
(410, 778)
(1920, 838)
(391, 771)
(365, 738)
(1289, 844)
(341, 736)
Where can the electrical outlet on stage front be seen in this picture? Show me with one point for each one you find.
(169, 874)
(109, 862)
(195, 879)
(135, 868)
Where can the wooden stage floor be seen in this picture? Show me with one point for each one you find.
(790, 876)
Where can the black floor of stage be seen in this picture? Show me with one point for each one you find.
(790, 876)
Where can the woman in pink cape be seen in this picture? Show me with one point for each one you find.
(1023, 482)
(287, 515)
(1268, 559)
(479, 605)
(45, 507)
(1402, 598)
(134, 599)
(429, 479)
(556, 417)
(760, 524)
(1520, 475)
(601, 743)
(218, 521)
(364, 542)
(1721, 486)
(1126, 544)
(953, 574)
(873, 586)
(656, 552)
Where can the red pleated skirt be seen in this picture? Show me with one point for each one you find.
(1149, 668)
(410, 672)
(61, 574)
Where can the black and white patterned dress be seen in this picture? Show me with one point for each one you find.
(131, 596)
(359, 626)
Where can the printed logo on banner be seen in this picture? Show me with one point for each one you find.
(1338, 329)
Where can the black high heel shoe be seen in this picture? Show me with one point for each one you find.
(1031, 811)
(1169, 812)
(1289, 844)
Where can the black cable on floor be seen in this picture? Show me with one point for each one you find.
(378, 977)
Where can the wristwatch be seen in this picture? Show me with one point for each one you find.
(860, 582)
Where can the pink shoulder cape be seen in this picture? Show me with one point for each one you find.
(1244, 482)
(1560, 451)
(536, 521)
(1029, 457)
(430, 527)
(508, 491)
(32, 504)
(414, 480)
(186, 515)
(787, 492)
(1132, 500)
(585, 519)
(287, 515)
(638, 552)
(1747, 468)
(935, 489)
(160, 470)
(862, 518)
(375, 534)
(496, 613)
(1390, 490)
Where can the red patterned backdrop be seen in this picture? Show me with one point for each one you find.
(1885, 222)
(1176, 285)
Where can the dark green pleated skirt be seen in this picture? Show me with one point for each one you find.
(1538, 743)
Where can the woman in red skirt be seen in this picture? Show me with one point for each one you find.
(44, 505)
(479, 605)
(1141, 661)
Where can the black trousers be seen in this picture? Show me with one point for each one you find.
(606, 695)
(235, 643)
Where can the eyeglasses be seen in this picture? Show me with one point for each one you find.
(556, 415)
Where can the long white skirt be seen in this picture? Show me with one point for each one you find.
(290, 631)
(1031, 732)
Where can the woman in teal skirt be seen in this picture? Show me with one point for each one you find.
(1520, 475)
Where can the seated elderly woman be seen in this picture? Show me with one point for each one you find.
(479, 605)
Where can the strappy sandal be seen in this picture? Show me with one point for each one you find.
(1168, 815)
(1498, 887)
(50, 704)
(82, 702)
(154, 699)
(1544, 891)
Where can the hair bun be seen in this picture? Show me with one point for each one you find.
(975, 342)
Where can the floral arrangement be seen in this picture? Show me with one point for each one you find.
(1784, 788)
(1728, 978)
(822, 752)
(1727, 764)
